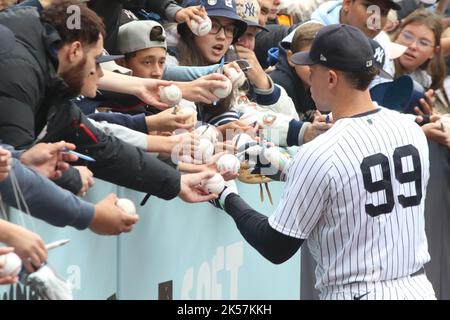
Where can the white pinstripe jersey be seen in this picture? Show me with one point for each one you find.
(357, 193)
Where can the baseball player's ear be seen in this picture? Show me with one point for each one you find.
(332, 78)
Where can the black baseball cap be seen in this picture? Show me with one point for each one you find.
(379, 57)
(7, 40)
(341, 47)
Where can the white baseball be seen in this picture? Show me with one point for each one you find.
(276, 158)
(205, 150)
(208, 132)
(126, 205)
(192, 119)
(171, 95)
(215, 184)
(11, 263)
(223, 92)
(202, 28)
(237, 78)
(229, 162)
(241, 139)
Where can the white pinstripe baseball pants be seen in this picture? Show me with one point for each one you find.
(406, 288)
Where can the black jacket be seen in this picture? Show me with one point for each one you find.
(266, 40)
(110, 11)
(285, 76)
(32, 95)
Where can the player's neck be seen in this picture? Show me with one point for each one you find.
(351, 104)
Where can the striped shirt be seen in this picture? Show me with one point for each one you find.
(357, 193)
(221, 119)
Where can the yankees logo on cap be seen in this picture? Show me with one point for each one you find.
(379, 58)
(379, 55)
(249, 11)
(212, 2)
(345, 48)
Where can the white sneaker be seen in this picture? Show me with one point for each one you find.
(46, 283)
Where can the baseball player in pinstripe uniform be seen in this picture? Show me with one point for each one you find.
(357, 191)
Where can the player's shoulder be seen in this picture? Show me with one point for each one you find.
(394, 114)
(321, 146)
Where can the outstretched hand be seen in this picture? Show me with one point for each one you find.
(317, 127)
(426, 105)
(148, 90)
(190, 187)
(49, 159)
(201, 90)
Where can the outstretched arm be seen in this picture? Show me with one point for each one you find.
(254, 227)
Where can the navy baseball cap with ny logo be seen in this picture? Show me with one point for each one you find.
(341, 47)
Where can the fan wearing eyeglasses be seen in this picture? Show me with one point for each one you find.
(209, 49)
(421, 32)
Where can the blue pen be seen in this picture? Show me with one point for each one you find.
(79, 155)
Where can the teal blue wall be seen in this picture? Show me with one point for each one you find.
(196, 246)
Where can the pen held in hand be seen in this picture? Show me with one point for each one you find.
(79, 155)
(56, 244)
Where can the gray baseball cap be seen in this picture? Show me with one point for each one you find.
(135, 35)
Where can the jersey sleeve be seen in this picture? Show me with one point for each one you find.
(306, 193)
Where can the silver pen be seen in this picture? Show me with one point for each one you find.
(56, 244)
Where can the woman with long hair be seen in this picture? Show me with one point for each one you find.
(421, 32)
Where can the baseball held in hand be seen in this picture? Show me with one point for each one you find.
(223, 92)
(208, 132)
(205, 150)
(202, 28)
(237, 77)
(229, 162)
(240, 139)
(171, 95)
(10, 264)
(126, 205)
(215, 184)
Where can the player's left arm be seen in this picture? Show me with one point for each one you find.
(254, 227)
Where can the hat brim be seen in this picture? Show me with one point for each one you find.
(396, 50)
(114, 67)
(7, 40)
(254, 24)
(402, 94)
(107, 58)
(302, 58)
